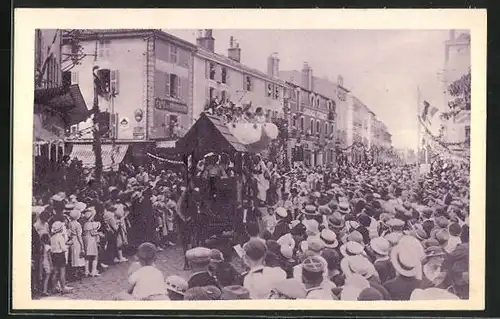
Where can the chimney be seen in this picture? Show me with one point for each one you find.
(273, 65)
(234, 51)
(307, 77)
(340, 80)
(206, 40)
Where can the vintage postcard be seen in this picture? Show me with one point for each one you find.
(242, 159)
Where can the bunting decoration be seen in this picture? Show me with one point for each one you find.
(166, 160)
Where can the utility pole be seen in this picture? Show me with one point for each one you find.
(97, 132)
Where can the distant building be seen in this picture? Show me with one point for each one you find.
(312, 120)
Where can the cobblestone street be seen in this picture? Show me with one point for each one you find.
(114, 279)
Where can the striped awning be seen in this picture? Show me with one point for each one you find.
(112, 155)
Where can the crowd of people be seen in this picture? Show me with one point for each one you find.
(371, 232)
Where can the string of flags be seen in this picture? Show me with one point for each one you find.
(165, 159)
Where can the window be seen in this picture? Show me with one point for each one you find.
(269, 90)
(302, 123)
(223, 75)
(211, 93)
(311, 126)
(311, 100)
(326, 128)
(276, 92)
(103, 49)
(173, 86)
(174, 54)
(294, 121)
(248, 83)
(212, 71)
(467, 133)
(318, 127)
(317, 102)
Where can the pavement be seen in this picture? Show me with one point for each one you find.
(114, 279)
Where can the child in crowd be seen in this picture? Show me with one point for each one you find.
(46, 262)
(146, 282)
(91, 238)
(77, 249)
(59, 249)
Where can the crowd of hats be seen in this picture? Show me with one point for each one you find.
(373, 233)
(378, 235)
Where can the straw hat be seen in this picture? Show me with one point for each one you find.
(176, 284)
(351, 248)
(57, 227)
(406, 257)
(380, 245)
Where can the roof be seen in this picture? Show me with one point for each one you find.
(237, 65)
(94, 34)
(66, 100)
(209, 134)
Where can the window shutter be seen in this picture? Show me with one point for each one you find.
(113, 125)
(218, 73)
(185, 89)
(74, 77)
(179, 87)
(207, 70)
(114, 81)
(167, 84)
(166, 125)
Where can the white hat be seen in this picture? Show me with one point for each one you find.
(312, 226)
(432, 294)
(282, 212)
(407, 258)
(329, 238)
(286, 240)
(351, 248)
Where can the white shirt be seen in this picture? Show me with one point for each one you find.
(259, 280)
(453, 242)
(148, 281)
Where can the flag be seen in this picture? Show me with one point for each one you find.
(428, 112)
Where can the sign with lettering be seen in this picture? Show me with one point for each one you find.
(315, 114)
(139, 132)
(170, 105)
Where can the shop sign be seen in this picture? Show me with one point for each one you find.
(315, 114)
(139, 132)
(170, 105)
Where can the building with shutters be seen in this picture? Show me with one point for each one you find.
(57, 104)
(149, 77)
(225, 78)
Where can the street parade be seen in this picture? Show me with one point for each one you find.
(235, 212)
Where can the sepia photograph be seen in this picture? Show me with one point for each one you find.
(192, 164)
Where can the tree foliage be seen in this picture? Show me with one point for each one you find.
(460, 90)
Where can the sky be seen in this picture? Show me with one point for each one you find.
(383, 68)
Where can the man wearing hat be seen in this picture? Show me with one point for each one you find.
(313, 269)
(313, 246)
(281, 227)
(380, 248)
(259, 279)
(199, 259)
(406, 258)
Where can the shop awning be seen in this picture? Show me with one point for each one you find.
(112, 155)
(68, 101)
(42, 134)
